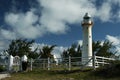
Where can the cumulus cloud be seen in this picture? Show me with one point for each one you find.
(113, 39)
(3, 44)
(118, 16)
(116, 42)
(24, 24)
(104, 13)
(53, 19)
(38, 46)
(57, 51)
(55, 15)
(80, 42)
(5, 37)
(7, 34)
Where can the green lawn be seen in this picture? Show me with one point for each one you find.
(58, 75)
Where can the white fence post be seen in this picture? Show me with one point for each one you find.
(20, 64)
(94, 62)
(69, 63)
(48, 63)
(31, 64)
(103, 61)
(24, 62)
(10, 62)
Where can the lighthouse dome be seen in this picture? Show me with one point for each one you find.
(87, 16)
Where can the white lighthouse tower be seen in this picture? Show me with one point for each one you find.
(87, 40)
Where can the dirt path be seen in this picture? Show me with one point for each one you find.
(4, 75)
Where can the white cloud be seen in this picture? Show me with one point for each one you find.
(114, 1)
(104, 12)
(23, 24)
(118, 16)
(55, 15)
(7, 34)
(102, 42)
(3, 44)
(69, 11)
(113, 39)
(57, 51)
(80, 42)
(38, 46)
(116, 42)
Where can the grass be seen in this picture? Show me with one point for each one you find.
(37, 74)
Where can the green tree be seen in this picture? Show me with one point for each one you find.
(64, 54)
(73, 51)
(104, 49)
(20, 47)
(79, 51)
(99, 49)
(33, 54)
(45, 52)
(96, 46)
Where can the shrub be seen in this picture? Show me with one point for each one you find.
(2, 68)
(111, 70)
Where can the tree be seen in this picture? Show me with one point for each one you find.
(99, 49)
(65, 54)
(20, 47)
(33, 54)
(45, 52)
(73, 51)
(104, 49)
(96, 46)
(79, 51)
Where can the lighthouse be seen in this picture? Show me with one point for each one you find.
(87, 24)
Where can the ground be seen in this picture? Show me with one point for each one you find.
(58, 75)
(4, 75)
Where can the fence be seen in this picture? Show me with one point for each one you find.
(4, 62)
(70, 63)
(58, 63)
(101, 61)
(10, 63)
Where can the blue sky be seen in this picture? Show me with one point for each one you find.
(58, 21)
